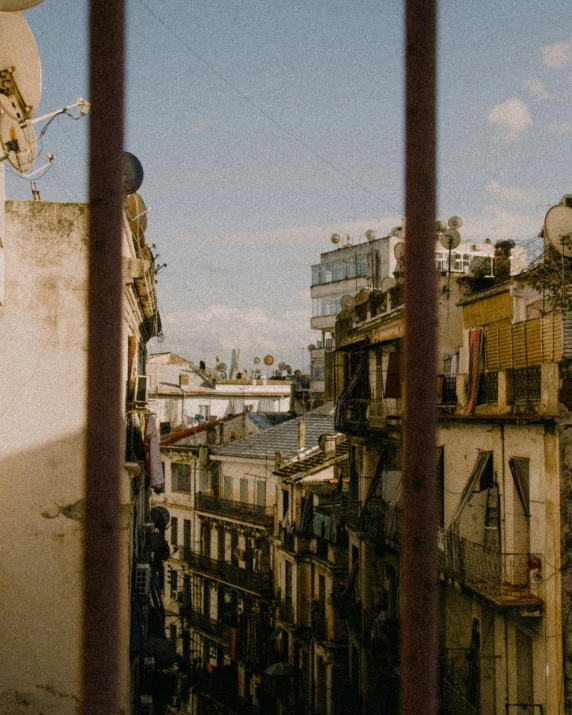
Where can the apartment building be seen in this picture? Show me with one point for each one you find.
(183, 395)
(351, 267)
(504, 484)
(43, 337)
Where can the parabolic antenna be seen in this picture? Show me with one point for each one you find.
(558, 228)
(20, 69)
(370, 235)
(311, 347)
(455, 222)
(440, 226)
(387, 283)
(450, 239)
(282, 366)
(133, 172)
(17, 5)
(268, 360)
(136, 211)
(335, 238)
(399, 251)
(221, 366)
(19, 143)
(362, 297)
(397, 232)
(347, 302)
(256, 360)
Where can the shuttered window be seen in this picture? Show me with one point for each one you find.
(526, 344)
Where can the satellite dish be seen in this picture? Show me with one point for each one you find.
(19, 143)
(450, 239)
(370, 235)
(160, 517)
(256, 360)
(362, 297)
(268, 360)
(387, 284)
(20, 68)
(347, 302)
(558, 228)
(440, 226)
(257, 371)
(311, 347)
(133, 172)
(282, 366)
(480, 266)
(136, 212)
(455, 222)
(17, 5)
(335, 238)
(288, 369)
(399, 251)
(221, 366)
(397, 231)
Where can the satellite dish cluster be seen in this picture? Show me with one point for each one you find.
(21, 88)
(558, 226)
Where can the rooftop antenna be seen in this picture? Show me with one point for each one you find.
(558, 229)
(335, 238)
(347, 302)
(370, 235)
(133, 173)
(449, 238)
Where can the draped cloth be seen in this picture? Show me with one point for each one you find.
(476, 366)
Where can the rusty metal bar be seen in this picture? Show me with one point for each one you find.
(100, 695)
(419, 555)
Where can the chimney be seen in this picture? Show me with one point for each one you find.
(501, 268)
(301, 434)
(330, 446)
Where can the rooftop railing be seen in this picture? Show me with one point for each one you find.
(263, 515)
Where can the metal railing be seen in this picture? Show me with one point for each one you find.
(454, 702)
(208, 625)
(448, 389)
(242, 511)
(489, 388)
(524, 386)
(381, 522)
(505, 578)
(286, 612)
(257, 581)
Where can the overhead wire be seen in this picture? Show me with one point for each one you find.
(297, 139)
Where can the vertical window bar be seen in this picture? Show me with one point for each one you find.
(103, 445)
(419, 565)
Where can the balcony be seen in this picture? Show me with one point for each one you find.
(346, 510)
(293, 542)
(286, 612)
(447, 389)
(506, 579)
(208, 626)
(257, 581)
(461, 681)
(241, 511)
(382, 634)
(381, 522)
(489, 389)
(454, 702)
(524, 387)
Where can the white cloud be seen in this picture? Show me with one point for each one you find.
(513, 195)
(306, 235)
(218, 329)
(498, 223)
(512, 116)
(557, 56)
(537, 89)
(562, 127)
(200, 127)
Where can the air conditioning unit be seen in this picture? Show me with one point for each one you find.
(146, 705)
(141, 389)
(143, 579)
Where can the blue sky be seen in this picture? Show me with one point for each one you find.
(265, 125)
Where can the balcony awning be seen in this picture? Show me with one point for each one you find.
(473, 484)
(321, 485)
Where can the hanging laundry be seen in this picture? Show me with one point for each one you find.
(153, 456)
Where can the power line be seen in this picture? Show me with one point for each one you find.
(301, 142)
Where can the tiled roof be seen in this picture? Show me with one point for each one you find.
(282, 438)
(265, 420)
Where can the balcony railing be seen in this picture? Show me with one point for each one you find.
(285, 612)
(447, 389)
(209, 626)
(507, 579)
(257, 581)
(381, 522)
(383, 407)
(234, 509)
(489, 388)
(524, 386)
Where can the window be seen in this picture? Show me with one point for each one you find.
(181, 477)
(244, 490)
(187, 534)
(174, 531)
(317, 371)
(285, 502)
(174, 579)
(261, 492)
(227, 487)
